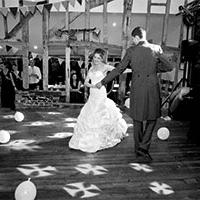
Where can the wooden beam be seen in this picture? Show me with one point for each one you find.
(11, 43)
(148, 15)
(88, 44)
(165, 23)
(87, 39)
(67, 57)
(105, 22)
(22, 23)
(25, 48)
(126, 22)
(45, 35)
(5, 20)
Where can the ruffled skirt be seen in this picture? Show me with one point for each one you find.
(99, 125)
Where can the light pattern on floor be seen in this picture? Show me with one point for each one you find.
(22, 145)
(35, 170)
(8, 117)
(61, 135)
(39, 123)
(141, 167)
(161, 188)
(54, 113)
(89, 169)
(74, 188)
(70, 119)
(68, 125)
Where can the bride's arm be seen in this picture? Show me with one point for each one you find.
(86, 83)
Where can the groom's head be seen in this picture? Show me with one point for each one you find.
(138, 34)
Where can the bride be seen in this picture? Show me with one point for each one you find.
(100, 124)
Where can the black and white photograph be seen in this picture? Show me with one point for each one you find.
(99, 99)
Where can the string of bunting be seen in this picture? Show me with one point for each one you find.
(39, 5)
(59, 5)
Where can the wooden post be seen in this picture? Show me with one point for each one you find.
(105, 25)
(165, 23)
(67, 56)
(179, 56)
(5, 20)
(125, 30)
(45, 35)
(25, 50)
(87, 38)
(105, 22)
(148, 16)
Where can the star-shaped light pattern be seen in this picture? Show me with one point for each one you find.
(34, 170)
(162, 188)
(74, 188)
(70, 125)
(141, 167)
(89, 169)
(39, 123)
(61, 135)
(69, 119)
(12, 132)
(22, 145)
(54, 113)
(8, 116)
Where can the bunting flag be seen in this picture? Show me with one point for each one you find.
(14, 11)
(57, 6)
(95, 3)
(48, 6)
(31, 9)
(96, 33)
(40, 8)
(4, 11)
(72, 2)
(15, 50)
(23, 10)
(80, 2)
(60, 61)
(8, 48)
(65, 4)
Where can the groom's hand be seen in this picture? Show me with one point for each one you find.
(98, 85)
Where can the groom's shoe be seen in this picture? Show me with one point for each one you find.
(144, 153)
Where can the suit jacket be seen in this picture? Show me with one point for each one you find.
(145, 61)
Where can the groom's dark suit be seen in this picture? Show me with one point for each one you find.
(145, 61)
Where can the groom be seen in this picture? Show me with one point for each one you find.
(146, 60)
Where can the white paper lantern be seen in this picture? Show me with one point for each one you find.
(4, 136)
(127, 103)
(163, 133)
(19, 117)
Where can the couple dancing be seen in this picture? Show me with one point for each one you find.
(100, 124)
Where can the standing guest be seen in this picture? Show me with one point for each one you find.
(100, 124)
(17, 78)
(76, 93)
(146, 61)
(34, 75)
(8, 86)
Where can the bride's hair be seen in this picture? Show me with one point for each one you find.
(101, 52)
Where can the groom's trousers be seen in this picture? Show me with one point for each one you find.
(142, 135)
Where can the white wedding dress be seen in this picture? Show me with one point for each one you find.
(100, 124)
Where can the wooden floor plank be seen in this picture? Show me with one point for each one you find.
(53, 167)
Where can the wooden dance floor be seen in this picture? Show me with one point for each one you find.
(38, 149)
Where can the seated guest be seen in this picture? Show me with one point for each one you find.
(34, 75)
